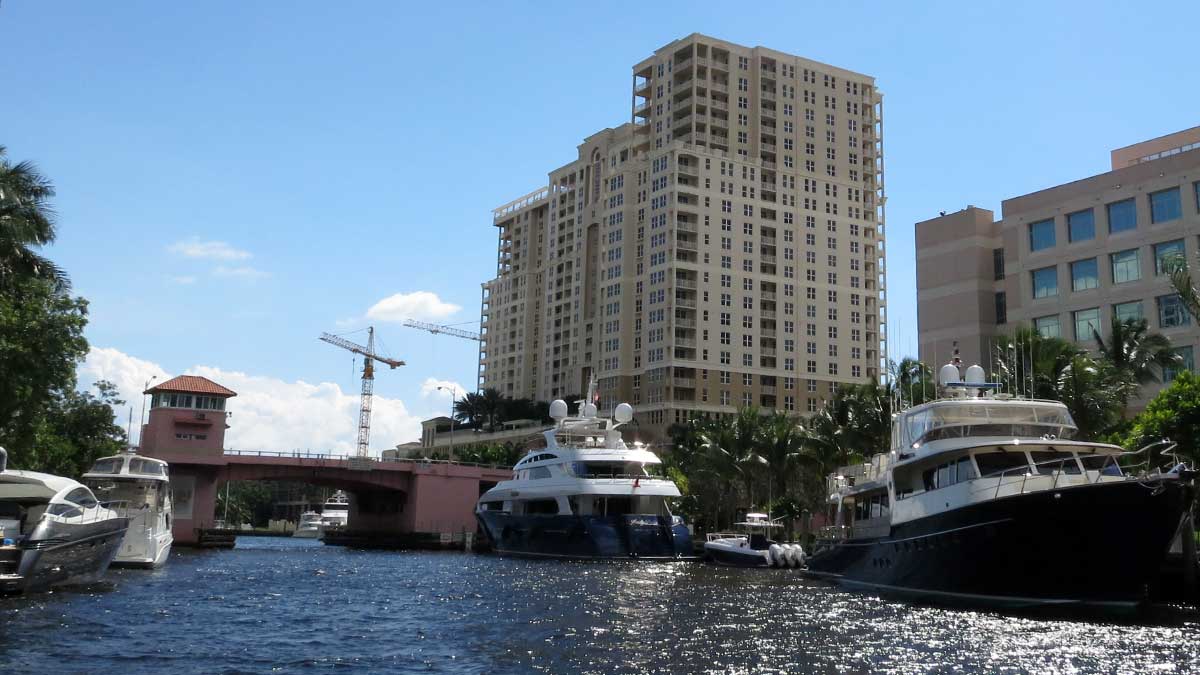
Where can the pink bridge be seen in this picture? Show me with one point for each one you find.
(386, 497)
(186, 427)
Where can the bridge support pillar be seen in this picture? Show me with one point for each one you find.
(442, 502)
(194, 494)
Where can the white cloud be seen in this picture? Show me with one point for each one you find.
(430, 390)
(239, 272)
(208, 250)
(269, 413)
(421, 305)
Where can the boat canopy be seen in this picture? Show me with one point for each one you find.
(957, 418)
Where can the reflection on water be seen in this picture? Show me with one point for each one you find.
(297, 606)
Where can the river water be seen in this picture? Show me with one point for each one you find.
(296, 606)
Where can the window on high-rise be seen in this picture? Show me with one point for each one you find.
(1172, 312)
(1187, 358)
(1126, 266)
(1085, 275)
(1045, 282)
(1041, 235)
(1167, 254)
(1081, 226)
(1001, 308)
(998, 263)
(1048, 326)
(1087, 321)
(1165, 205)
(1122, 216)
(1127, 311)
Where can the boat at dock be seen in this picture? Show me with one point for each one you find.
(335, 512)
(309, 526)
(585, 495)
(139, 488)
(988, 500)
(752, 547)
(53, 531)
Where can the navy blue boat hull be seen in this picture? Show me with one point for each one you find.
(1097, 545)
(644, 537)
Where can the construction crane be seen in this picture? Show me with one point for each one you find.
(368, 381)
(443, 330)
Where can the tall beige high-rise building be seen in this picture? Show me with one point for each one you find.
(1067, 260)
(722, 249)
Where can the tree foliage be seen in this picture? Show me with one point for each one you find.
(1173, 414)
(26, 225)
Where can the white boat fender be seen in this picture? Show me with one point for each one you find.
(775, 556)
(800, 557)
(793, 555)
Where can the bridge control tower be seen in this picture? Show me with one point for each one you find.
(187, 413)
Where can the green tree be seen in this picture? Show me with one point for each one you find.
(1174, 414)
(41, 343)
(26, 224)
(1136, 353)
(72, 431)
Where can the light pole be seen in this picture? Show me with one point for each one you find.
(142, 417)
(451, 389)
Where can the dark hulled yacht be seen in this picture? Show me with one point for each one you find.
(585, 495)
(985, 499)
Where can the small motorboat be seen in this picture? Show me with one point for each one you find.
(310, 526)
(752, 547)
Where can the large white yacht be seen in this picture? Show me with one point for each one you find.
(336, 511)
(585, 495)
(140, 489)
(986, 499)
(54, 531)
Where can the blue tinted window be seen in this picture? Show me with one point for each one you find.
(1087, 321)
(1041, 235)
(1171, 312)
(1081, 225)
(1187, 354)
(1125, 266)
(1048, 326)
(1045, 282)
(1165, 205)
(1122, 216)
(1085, 274)
(1127, 311)
(1165, 253)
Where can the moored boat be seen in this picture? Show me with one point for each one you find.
(752, 547)
(139, 488)
(53, 531)
(986, 499)
(309, 526)
(585, 495)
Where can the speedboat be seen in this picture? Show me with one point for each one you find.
(585, 495)
(138, 488)
(309, 527)
(54, 531)
(752, 547)
(988, 500)
(335, 512)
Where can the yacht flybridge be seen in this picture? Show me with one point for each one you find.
(987, 499)
(139, 488)
(585, 495)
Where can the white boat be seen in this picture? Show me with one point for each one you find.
(53, 531)
(140, 489)
(585, 495)
(309, 527)
(752, 547)
(988, 500)
(335, 512)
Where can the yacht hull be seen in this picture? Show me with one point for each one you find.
(641, 537)
(731, 556)
(1092, 545)
(67, 554)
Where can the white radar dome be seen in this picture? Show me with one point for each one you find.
(558, 409)
(623, 413)
(589, 409)
(975, 375)
(949, 373)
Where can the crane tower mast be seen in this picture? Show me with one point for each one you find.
(368, 382)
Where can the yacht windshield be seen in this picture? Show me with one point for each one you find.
(957, 419)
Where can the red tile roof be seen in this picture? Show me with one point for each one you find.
(192, 384)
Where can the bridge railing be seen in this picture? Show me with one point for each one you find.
(326, 456)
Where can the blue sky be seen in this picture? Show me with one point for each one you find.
(343, 153)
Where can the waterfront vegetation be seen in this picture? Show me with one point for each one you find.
(45, 423)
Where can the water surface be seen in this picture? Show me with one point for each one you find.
(296, 606)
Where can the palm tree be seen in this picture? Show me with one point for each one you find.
(782, 446)
(469, 409)
(1136, 353)
(1181, 280)
(912, 381)
(26, 223)
(491, 401)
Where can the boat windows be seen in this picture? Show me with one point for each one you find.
(64, 510)
(493, 506)
(947, 474)
(110, 465)
(1105, 464)
(875, 506)
(1001, 463)
(83, 497)
(538, 472)
(146, 467)
(1048, 462)
(545, 507)
(964, 418)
